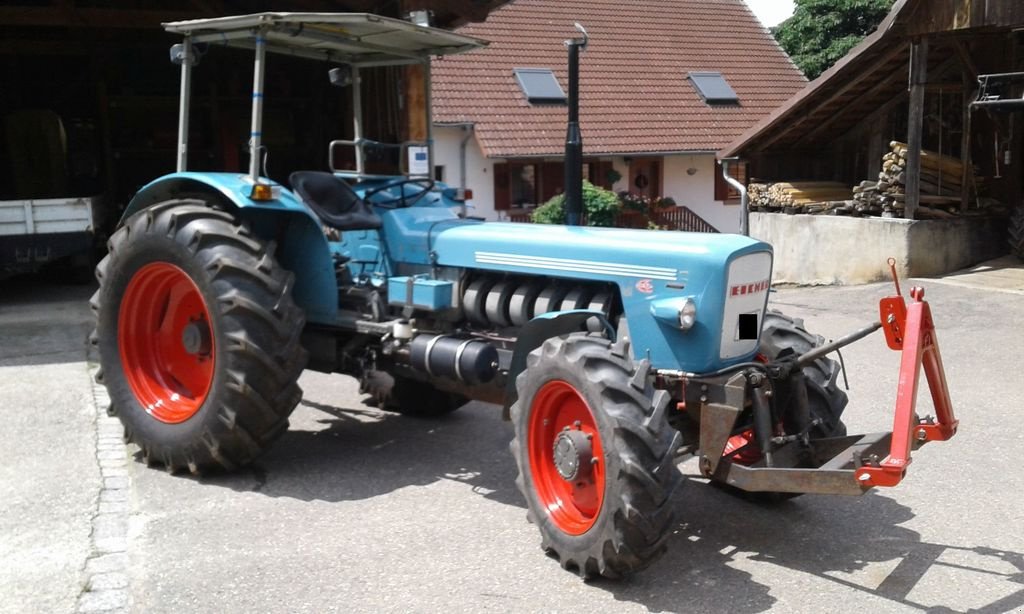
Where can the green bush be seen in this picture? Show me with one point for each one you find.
(600, 207)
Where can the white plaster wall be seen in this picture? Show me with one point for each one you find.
(479, 170)
(697, 191)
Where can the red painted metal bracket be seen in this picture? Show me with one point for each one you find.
(910, 329)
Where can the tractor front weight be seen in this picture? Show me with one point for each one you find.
(798, 463)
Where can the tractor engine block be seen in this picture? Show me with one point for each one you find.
(500, 301)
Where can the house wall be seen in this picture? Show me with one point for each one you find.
(696, 191)
(479, 170)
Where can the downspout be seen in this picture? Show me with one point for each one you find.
(468, 128)
(742, 189)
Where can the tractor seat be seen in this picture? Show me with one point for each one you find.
(333, 201)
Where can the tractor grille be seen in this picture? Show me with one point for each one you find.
(746, 296)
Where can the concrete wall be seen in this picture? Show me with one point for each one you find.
(826, 249)
(696, 191)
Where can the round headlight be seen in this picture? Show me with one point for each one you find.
(688, 314)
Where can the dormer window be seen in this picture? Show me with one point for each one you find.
(713, 87)
(540, 86)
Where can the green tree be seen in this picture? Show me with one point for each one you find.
(600, 205)
(822, 31)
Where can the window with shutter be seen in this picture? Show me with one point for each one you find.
(502, 198)
(723, 191)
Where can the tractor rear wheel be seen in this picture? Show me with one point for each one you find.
(595, 455)
(1016, 232)
(198, 337)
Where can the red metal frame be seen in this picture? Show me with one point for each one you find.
(910, 329)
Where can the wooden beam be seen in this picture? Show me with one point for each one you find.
(969, 74)
(965, 59)
(915, 124)
(72, 17)
(858, 80)
(875, 89)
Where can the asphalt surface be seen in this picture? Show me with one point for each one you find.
(357, 510)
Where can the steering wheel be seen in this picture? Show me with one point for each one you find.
(402, 200)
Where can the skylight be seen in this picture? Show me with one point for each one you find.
(713, 87)
(539, 85)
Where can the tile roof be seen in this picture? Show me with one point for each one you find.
(634, 94)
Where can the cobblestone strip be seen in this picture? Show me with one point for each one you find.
(106, 570)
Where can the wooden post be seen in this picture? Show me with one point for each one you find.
(915, 124)
(970, 82)
(415, 103)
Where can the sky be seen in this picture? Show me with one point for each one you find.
(771, 12)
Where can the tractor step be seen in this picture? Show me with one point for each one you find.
(826, 467)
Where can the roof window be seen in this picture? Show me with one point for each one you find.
(713, 87)
(539, 85)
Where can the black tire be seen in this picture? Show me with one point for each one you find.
(253, 323)
(409, 397)
(1016, 232)
(782, 334)
(629, 527)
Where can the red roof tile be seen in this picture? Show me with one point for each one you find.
(634, 94)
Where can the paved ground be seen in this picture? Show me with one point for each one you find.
(361, 511)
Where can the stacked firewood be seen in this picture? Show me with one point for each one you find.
(799, 196)
(941, 182)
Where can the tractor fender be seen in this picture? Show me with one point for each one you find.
(300, 243)
(543, 327)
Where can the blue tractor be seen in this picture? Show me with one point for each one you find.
(612, 351)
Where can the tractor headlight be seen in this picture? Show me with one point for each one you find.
(688, 314)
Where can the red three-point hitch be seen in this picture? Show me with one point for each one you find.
(910, 330)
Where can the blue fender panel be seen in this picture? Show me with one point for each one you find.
(301, 245)
(533, 335)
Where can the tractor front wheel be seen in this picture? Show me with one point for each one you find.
(595, 455)
(198, 337)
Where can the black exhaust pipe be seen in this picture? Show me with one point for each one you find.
(573, 137)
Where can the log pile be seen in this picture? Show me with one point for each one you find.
(941, 181)
(799, 196)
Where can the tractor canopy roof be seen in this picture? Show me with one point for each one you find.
(359, 39)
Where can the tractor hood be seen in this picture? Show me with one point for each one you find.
(611, 254)
(726, 276)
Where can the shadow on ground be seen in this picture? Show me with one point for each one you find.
(358, 453)
(719, 544)
(854, 543)
(43, 321)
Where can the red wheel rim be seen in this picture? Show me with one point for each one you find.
(573, 504)
(166, 343)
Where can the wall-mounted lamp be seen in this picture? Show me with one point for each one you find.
(691, 171)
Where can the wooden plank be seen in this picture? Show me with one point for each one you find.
(915, 124)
